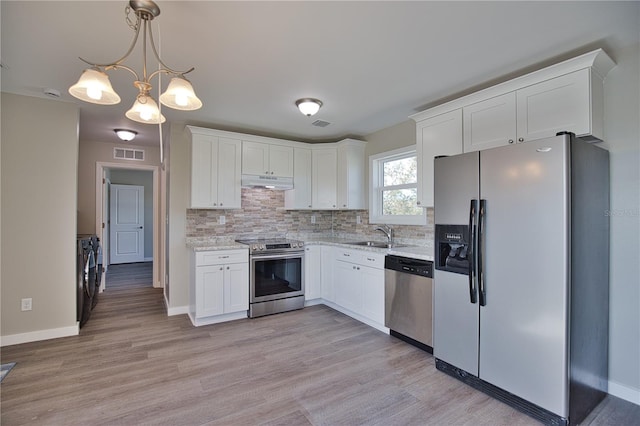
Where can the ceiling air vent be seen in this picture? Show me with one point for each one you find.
(128, 154)
(320, 123)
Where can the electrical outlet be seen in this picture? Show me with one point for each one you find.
(358, 219)
(313, 218)
(222, 220)
(27, 304)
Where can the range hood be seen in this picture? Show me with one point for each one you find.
(269, 182)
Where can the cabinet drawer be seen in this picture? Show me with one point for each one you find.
(373, 260)
(217, 257)
(347, 255)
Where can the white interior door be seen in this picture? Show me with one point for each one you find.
(127, 223)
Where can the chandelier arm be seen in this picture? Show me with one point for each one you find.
(125, 56)
(155, 52)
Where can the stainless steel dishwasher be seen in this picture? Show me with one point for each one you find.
(408, 310)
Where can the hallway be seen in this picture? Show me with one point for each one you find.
(129, 275)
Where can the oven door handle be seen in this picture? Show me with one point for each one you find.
(281, 255)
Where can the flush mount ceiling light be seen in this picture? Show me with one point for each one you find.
(126, 135)
(308, 106)
(94, 85)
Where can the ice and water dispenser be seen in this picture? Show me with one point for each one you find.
(453, 249)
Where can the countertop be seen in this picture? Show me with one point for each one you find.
(415, 252)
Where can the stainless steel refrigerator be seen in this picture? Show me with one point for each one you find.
(521, 274)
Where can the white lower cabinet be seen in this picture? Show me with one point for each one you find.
(359, 285)
(312, 272)
(219, 287)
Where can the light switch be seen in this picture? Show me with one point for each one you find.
(222, 220)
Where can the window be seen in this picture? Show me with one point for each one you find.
(394, 188)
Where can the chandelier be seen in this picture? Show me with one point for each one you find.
(94, 85)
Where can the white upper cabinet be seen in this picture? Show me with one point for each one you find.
(351, 182)
(215, 171)
(560, 104)
(267, 159)
(435, 136)
(568, 96)
(299, 198)
(567, 103)
(324, 172)
(490, 123)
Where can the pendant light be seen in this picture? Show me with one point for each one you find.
(94, 85)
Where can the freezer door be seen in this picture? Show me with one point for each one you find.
(455, 181)
(455, 322)
(524, 323)
(455, 327)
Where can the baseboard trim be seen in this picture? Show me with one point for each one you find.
(35, 336)
(178, 310)
(624, 392)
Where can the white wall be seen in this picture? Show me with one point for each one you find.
(622, 137)
(90, 153)
(39, 180)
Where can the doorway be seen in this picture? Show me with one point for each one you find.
(115, 180)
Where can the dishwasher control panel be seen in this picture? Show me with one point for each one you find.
(408, 265)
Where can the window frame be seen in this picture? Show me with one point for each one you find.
(376, 187)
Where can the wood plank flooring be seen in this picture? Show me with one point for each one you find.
(131, 364)
(129, 275)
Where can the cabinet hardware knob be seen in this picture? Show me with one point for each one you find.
(309, 205)
(510, 140)
(418, 202)
(227, 268)
(358, 268)
(520, 139)
(221, 268)
(215, 204)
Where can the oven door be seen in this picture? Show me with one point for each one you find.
(276, 276)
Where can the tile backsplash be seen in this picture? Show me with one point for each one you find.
(263, 214)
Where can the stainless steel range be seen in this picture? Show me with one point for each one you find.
(276, 275)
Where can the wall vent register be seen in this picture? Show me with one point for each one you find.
(128, 154)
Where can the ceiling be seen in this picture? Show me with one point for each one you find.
(372, 63)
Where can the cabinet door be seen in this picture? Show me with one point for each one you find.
(324, 178)
(562, 103)
(229, 173)
(348, 284)
(350, 178)
(327, 287)
(440, 135)
(299, 198)
(312, 273)
(209, 290)
(203, 181)
(236, 287)
(373, 293)
(255, 158)
(281, 160)
(490, 123)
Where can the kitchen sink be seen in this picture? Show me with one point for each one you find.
(377, 244)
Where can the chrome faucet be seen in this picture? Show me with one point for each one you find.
(388, 231)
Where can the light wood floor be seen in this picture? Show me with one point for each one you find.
(134, 365)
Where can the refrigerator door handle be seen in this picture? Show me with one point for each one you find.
(480, 254)
(471, 251)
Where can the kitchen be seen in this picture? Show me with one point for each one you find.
(397, 136)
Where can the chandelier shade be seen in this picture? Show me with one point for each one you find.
(180, 95)
(94, 86)
(145, 110)
(308, 106)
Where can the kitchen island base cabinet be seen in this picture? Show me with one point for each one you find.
(219, 289)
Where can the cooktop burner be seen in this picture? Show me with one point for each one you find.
(262, 245)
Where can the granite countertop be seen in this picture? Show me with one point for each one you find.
(416, 252)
